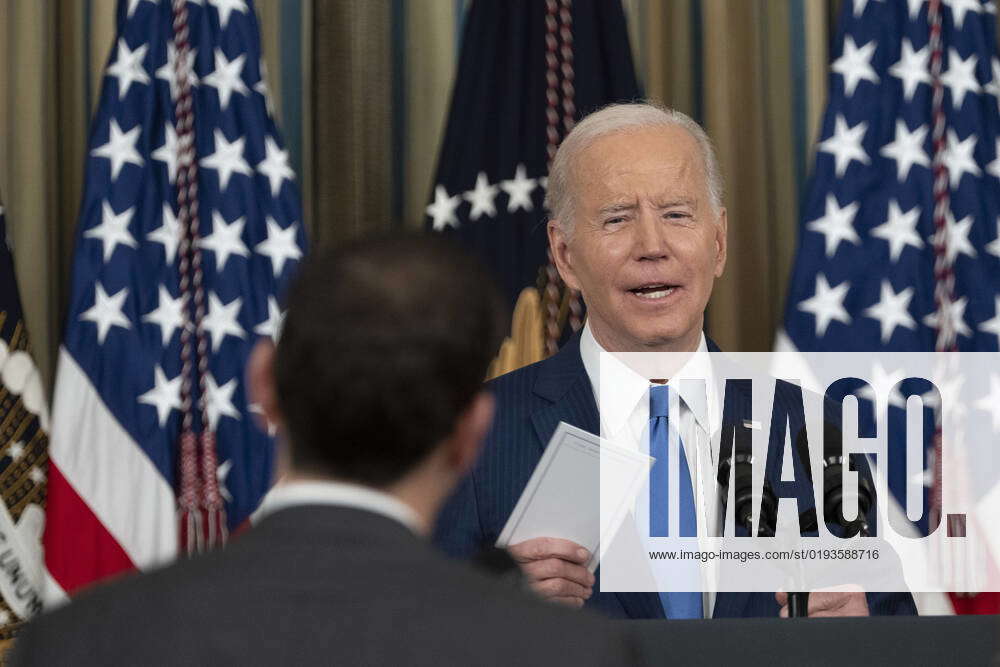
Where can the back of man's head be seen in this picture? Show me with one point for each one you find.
(384, 346)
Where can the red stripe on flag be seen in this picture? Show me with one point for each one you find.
(984, 603)
(79, 550)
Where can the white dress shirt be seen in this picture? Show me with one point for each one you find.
(624, 416)
(341, 494)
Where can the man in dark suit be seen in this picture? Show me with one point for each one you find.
(639, 228)
(376, 388)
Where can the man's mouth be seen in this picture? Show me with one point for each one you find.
(653, 291)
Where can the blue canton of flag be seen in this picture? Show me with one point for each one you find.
(117, 406)
(866, 273)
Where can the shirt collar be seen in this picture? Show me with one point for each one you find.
(341, 494)
(627, 390)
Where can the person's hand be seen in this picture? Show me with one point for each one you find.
(555, 569)
(836, 601)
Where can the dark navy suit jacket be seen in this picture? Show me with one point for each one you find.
(530, 403)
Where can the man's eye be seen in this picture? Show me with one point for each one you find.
(614, 221)
(676, 215)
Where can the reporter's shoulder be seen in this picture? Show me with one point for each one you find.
(577, 636)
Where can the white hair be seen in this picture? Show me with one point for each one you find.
(616, 118)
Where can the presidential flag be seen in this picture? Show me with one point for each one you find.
(899, 247)
(24, 423)
(189, 227)
(529, 69)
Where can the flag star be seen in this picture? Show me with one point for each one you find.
(221, 320)
(128, 67)
(120, 148)
(107, 311)
(168, 314)
(992, 87)
(827, 304)
(271, 327)
(957, 237)
(261, 87)
(227, 158)
(132, 4)
(519, 190)
(892, 310)
(958, 157)
(991, 402)
(280, 245)
(482, 197)
(994, 166)
(993, 247)
(912, 68)
(257, 410)
(845, 144)
(15, 450)
(854, 64)
(227, 77)
(164, 396)
(992, 325)
(959, 8)
(899, 230)
(226, 7)
(914, 7)
(36, 475)
(167, 153)
(219, 401)
(168, 71)
(990, 7)
(907, 149)
(960, 77)
(221, 473)
(443, 209)
(949, 381)
(113, 229)
(226, 239)
(168, 234)
(955, 312)
(860, 6)
(836, 225)
(275, 165)
(543, 182)
(882, 384)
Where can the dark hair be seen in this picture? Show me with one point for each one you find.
(385, 343)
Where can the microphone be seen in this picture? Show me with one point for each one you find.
(833, 498)
(833, 481)
(743, 495)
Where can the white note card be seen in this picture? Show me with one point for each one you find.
(563, 497)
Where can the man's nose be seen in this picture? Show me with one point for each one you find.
(650, 236)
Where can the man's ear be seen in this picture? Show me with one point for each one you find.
(470, 431)
(561, 255)
(721, 243)
(261, 384)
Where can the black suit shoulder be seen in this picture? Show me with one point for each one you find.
(367, 594)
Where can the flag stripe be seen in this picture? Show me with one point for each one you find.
(80, 417)
(94, 554)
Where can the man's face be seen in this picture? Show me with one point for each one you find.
(645, 246)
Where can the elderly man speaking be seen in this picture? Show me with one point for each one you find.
(637, 226)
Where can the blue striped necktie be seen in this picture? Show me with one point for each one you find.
(678, 604)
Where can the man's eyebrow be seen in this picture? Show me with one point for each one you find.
(683, 201)
(616, 207)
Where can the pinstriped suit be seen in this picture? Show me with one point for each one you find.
(531, 402)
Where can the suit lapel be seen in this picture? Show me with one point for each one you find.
(564, 383)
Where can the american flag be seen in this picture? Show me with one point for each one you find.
(529, 69)
(182, 132)
(899, 246)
